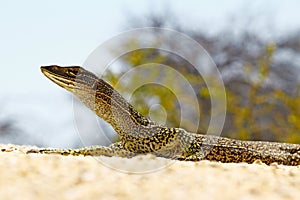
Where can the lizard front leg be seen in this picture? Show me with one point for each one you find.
(115, 149)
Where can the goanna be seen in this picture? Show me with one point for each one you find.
(139, 135)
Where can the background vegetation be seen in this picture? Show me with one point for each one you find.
(261, 76)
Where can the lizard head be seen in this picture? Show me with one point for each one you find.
(71, 78)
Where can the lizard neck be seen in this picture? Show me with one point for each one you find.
(108, 104)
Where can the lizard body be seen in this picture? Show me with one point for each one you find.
(139, 135)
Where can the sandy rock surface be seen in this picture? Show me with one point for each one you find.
(37, 176)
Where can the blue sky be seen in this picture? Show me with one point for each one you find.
(35, 33)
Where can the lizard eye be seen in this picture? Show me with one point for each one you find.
(71, 72)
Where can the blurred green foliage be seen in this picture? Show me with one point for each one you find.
(256, 113)
(273, 114)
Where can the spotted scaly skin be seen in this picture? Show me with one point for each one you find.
(139, 135)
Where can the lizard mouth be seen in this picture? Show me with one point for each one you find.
(59, 76)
